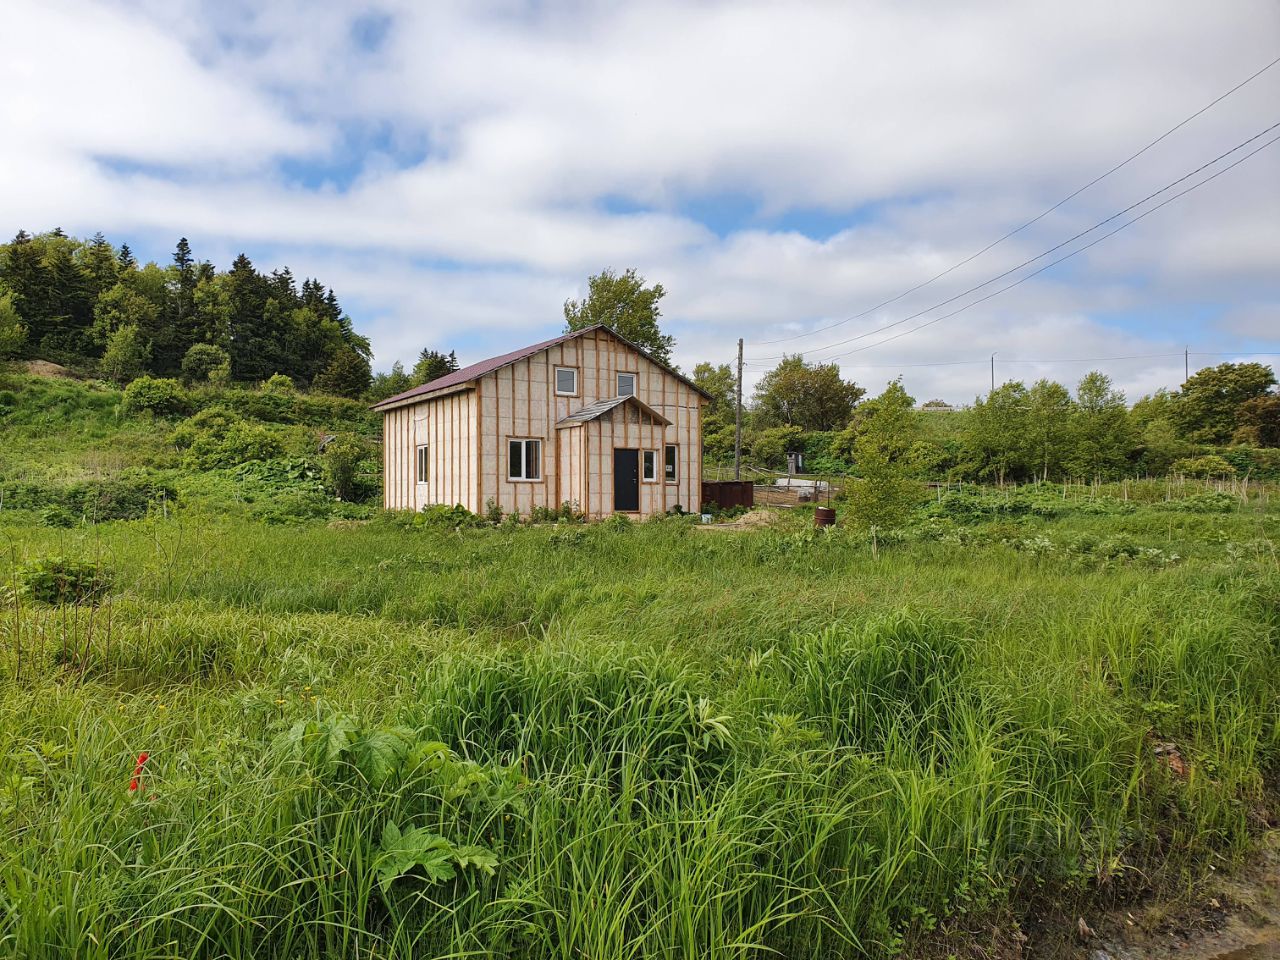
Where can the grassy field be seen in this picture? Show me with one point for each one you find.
(370, 739)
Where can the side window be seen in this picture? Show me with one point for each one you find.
(626, 384)
(672, 463)
(524, 459)
(566, 381)
(424, 463)
(650, 472)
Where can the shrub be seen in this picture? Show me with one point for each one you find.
(341, 460)
(213, 421)
(455, 517)
(127, 496)
(61, 580)
(202, 361)
(158, 396)
(249, 441)
(1208, 467)
(126, 355)
(565, 513)
(220, 437)
(280, 385)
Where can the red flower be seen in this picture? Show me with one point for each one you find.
(137, 772)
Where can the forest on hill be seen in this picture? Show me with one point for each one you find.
(87, 303)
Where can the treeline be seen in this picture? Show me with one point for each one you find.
(89, 304)
(1225, 420)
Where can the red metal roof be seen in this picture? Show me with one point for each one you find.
(477, 370)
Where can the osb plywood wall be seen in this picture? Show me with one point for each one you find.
(467, 433)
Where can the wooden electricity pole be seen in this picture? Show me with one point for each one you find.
(737, 420)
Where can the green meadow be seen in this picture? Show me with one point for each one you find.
(386, 739)
(373, 735)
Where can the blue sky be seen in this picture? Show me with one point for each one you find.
(455, 170)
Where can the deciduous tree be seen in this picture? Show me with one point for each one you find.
(810, 396)
(623, 303)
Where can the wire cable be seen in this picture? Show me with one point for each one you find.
(1034, 273)
(1040, 256)
(1033, 220)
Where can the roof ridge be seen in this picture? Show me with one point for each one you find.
(484, 367)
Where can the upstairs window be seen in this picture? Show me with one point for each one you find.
(524, 459)
(672, 463)
(424, 463)
(650, 472)
(626, 384)
(566, 381)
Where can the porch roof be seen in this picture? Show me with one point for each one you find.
(600, 407)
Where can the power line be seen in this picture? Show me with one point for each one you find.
(1068, 256)
(1052, 360)
(1059, 246)
(1040, 216)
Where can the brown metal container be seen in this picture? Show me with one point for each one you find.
(824, 517)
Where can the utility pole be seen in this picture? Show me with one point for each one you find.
(737, 421)
(1186, 364)
(993, 373)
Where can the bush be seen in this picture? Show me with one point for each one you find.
(342, 461)
(438, 515)
(279, 385)
(202, 361)
(127, 496)
(60, 580)
(1207, 467)
(157, 396)
(565, 513)
(245, 442)
(220, 437)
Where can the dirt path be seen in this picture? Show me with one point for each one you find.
(1234, 917)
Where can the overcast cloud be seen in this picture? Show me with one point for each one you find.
(456, 170)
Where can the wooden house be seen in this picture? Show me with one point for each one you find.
(587, 419)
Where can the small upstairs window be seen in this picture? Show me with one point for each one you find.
(566, 381)
(626, 384)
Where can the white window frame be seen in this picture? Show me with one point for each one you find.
(671, 448)
(649, 466)
(422, 465)
(524, 447)
(635, 382)
(566, 393)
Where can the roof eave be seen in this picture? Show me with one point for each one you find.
(395, 403)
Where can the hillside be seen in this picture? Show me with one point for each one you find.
(75, 451)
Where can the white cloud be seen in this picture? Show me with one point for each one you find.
(474, 155)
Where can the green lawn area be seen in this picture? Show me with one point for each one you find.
(373, 739)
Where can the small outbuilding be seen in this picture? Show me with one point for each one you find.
(586, 419)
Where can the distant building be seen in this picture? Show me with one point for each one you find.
(587, 418)
(937, 406)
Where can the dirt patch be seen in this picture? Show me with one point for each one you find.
(754, 520)
(44, 368)
(1230, 916)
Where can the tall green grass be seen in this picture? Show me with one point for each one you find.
(674, 743)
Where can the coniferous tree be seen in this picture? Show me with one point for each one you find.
(72, 297)
(250, 342)
(100, 265)
(184, 281)
(347, 375)
(432, 365)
